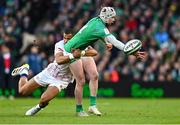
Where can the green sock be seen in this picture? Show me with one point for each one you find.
(79, 108)
(92, 100)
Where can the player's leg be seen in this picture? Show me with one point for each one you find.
(91, 70)
(48, 95)
(78, 73)
(25, 87)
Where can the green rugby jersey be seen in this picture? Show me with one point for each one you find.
(94, 30)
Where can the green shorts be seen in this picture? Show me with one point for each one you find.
(73, 60)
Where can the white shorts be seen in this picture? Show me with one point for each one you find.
(44, 79)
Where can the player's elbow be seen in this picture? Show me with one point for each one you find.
(94, 53)
(60, 61)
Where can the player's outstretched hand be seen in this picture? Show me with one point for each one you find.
(109, 46)
(140, 55)
(76, 53)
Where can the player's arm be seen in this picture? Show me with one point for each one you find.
(112, 39)
(61, 59)
(120, 45)
(89, 51)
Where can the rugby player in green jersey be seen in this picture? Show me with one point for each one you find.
(94, 30)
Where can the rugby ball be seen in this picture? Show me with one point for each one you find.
(132, 46)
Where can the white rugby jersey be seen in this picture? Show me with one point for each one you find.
(62, 71)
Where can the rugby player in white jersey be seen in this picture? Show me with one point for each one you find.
(56, 76)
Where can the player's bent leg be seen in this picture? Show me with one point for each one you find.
(48, 95)
(78, 73)
(28, 87)
(80, 81)
(25, 87)
(92, 73)
(91, 70)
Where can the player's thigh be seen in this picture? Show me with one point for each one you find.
(77, 70)
(50, 93)
(89, 67)
(30, 86)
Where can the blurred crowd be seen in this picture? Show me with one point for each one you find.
(29, 30)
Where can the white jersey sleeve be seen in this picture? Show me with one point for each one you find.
(112, 39)
(59, 47)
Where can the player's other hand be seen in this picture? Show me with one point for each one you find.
(140, 55)
(109, 46)
(76, 53)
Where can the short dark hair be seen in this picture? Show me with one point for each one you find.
(68, 31)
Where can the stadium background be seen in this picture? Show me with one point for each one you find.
(155, 22)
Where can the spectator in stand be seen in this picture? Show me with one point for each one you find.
(34, 59)
(7, 64)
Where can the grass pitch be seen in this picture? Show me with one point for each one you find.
(115, 111)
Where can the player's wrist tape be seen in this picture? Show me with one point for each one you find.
(83, 53)
(71, 56)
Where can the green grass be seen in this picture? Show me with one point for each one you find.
(116, 111)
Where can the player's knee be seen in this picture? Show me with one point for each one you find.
(94, 76)
(79, 86)
(23, 92)
(81, 81)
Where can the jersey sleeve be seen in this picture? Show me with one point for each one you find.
(103, 32)
(58, 49)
